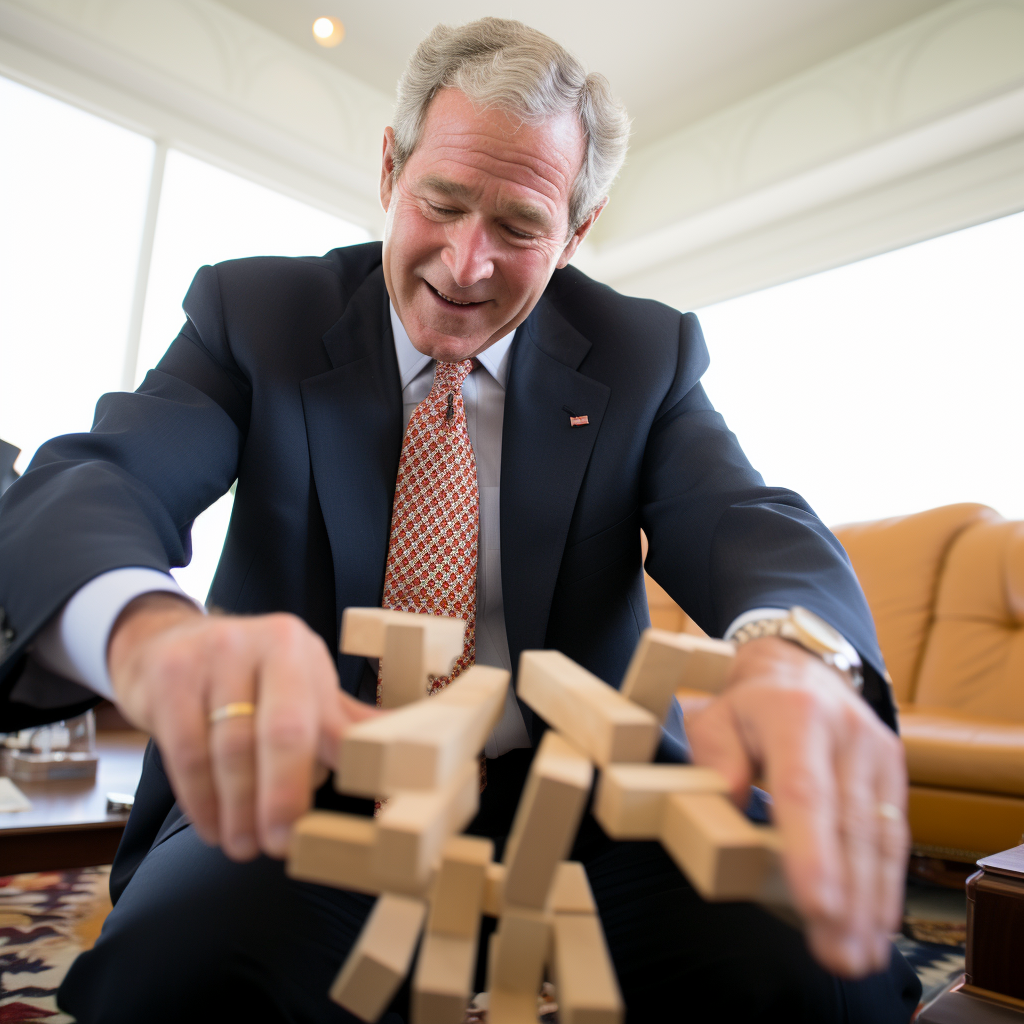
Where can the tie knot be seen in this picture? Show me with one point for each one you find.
(450, 376)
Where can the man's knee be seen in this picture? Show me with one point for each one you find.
(195, 936)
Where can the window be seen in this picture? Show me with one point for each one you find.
(74, 190)
(887, 386)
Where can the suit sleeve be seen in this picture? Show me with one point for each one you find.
(721, 542)
(124, 494)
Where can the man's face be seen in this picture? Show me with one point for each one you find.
(477, 223)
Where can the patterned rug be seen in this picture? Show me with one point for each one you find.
(47, 919)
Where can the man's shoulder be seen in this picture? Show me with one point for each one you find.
(598, 311)
(339, 272)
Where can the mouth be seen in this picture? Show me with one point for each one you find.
(448, 299)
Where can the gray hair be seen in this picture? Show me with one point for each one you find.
(506, 64)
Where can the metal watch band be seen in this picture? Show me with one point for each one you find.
(776, 626)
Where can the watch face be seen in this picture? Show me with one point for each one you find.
(819, 632)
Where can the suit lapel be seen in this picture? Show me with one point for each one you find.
(543, 461)
(353, 415)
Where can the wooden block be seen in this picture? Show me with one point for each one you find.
(723, 855)
(512, 1007)
(421, 745)
(571, 893)
(443, 983)
(588, 992)
(494, 885)
(518, 951)
(363, 632)
(630, 798)
(333, 849)
(457, 895)
(597, 718)
(546, 821)
(663, 662)
(381, 956)
(404, 672)
(414, 825)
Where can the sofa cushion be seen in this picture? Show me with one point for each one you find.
(898, 562)
(947, 748)
(974, 658)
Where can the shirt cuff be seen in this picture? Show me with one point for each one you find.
(74, 642)
(754, 615)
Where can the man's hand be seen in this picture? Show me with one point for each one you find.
(243, 780)
(834, 772)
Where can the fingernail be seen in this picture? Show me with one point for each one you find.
(277, 839)
(243, 847)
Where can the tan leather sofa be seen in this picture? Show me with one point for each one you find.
(946, 588)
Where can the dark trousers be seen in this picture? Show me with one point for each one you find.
(197, 937)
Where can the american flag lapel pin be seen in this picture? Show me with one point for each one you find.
(574, 420)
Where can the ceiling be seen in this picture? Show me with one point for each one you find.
(671, 63)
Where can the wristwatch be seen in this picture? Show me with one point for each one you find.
(813, 634)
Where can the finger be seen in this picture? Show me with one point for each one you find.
(716, 742)
(799, 756)
(854, 941)
(182, 738)
(232, 743)
(893, 833)
(291, 687)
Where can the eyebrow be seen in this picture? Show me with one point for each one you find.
(511, 208)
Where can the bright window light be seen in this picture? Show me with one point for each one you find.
(73, 191)
(208, 215)
(887, 386)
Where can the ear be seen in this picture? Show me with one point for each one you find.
(387, 168)
(579, 234)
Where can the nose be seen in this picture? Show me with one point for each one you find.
(468, 254)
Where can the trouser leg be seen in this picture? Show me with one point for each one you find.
(196, 937)
(679, 958)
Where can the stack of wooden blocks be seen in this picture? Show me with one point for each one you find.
(421, 760)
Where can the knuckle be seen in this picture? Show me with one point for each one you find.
(286, 732)
(189, 756)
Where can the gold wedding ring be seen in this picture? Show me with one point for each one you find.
(889, 811)
(236, 709)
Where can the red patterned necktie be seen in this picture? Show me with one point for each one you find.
(435, 521)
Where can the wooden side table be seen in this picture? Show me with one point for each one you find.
(992, 990)
(68, 825)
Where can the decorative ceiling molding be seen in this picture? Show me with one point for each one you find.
(937, 90)
(199, 76)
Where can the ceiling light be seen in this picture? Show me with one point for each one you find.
(328, 31)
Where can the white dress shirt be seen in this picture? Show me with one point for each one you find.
(74, 643)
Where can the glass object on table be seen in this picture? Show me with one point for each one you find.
(62, 750)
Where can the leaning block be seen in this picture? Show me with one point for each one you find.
(630, 798)
(333, 849)
(443, 983)
(458, 890)
(588, 992)
(664, 661)
(723, 855)
(414, 825)
(546, 821)
(512, 1007)
(518, 951)
(597, 718)
(410, 647)
(494, 884)
(421, 745)
(381, 956)
(571, 893)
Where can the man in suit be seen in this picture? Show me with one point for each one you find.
(576, 417)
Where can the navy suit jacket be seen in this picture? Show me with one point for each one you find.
(284, 381)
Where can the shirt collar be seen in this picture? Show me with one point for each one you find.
(411, 362)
